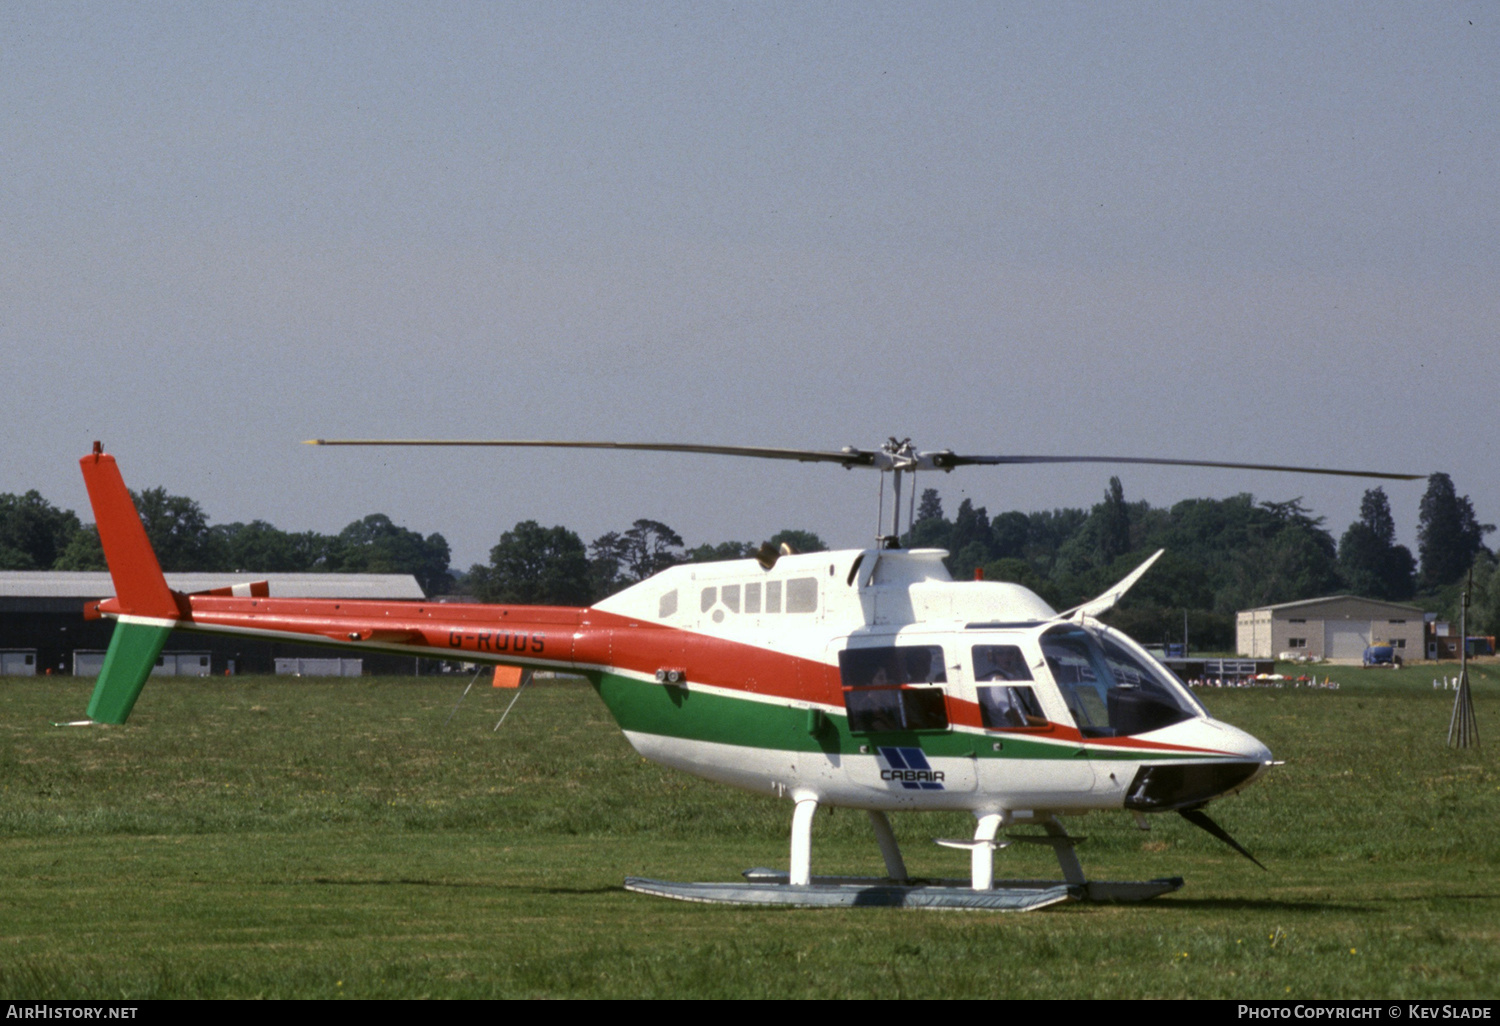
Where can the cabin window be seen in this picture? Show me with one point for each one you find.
(1004, 707)
(1110, 691)
(999, 662)
(668, 604)
(892, 688)
(730, 596)
(752, 597)
(879, 667)
(773, 596)
(802, 595)
(1079, 675)
(710, 596)
(1009, 707)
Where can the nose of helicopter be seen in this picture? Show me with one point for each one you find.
(1233, 759)
(1229, 738)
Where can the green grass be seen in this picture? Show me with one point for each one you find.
(301, 838)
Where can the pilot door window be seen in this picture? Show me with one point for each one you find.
(1005, 706)
(894, 688)
(1110, 692)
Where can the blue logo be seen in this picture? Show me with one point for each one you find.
(909, 767)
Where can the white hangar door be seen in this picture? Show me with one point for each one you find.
(1345, 639)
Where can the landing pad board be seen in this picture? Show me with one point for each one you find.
(766, 887)
(871, 894)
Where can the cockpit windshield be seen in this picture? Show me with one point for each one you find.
(1110, 690)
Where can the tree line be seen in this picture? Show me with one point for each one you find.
(1223, 555)
(539, 565)
(530, 564)
(35, 535)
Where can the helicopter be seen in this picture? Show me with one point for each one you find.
(865, 678)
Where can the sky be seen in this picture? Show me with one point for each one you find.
(1261, 233)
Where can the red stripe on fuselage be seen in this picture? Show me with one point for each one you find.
(966, 714)
(585, 639)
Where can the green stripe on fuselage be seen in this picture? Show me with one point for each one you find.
(132, 653)
(682, 712)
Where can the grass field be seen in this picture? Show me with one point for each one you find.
(299, 838)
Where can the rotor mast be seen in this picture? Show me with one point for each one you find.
(897, 458)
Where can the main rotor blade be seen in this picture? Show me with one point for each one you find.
(1200, 819)
(848, 457)
(946, 460)
(852, 457)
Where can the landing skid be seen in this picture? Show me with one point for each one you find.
(769, 887)
(800, 889)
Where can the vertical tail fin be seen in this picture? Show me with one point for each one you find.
(133, 650)
(140, 591)
(139, 585)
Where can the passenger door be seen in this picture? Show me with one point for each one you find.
(895, 698)
(1027, 759)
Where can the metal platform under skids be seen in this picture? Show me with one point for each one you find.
(768, 887)
(800, 889)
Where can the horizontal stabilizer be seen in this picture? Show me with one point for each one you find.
(378, 635)
(390, 636)
(250, 589)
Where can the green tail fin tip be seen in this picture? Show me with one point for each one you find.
(132, 653)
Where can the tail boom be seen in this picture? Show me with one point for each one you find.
(587, 640)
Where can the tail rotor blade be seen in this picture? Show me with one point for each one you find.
(1200, 819)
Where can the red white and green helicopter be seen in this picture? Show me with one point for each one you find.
(865, 679)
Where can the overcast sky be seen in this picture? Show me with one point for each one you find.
(1264, 233)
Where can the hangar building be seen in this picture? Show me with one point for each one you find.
(1339, 627)
(43, 630)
